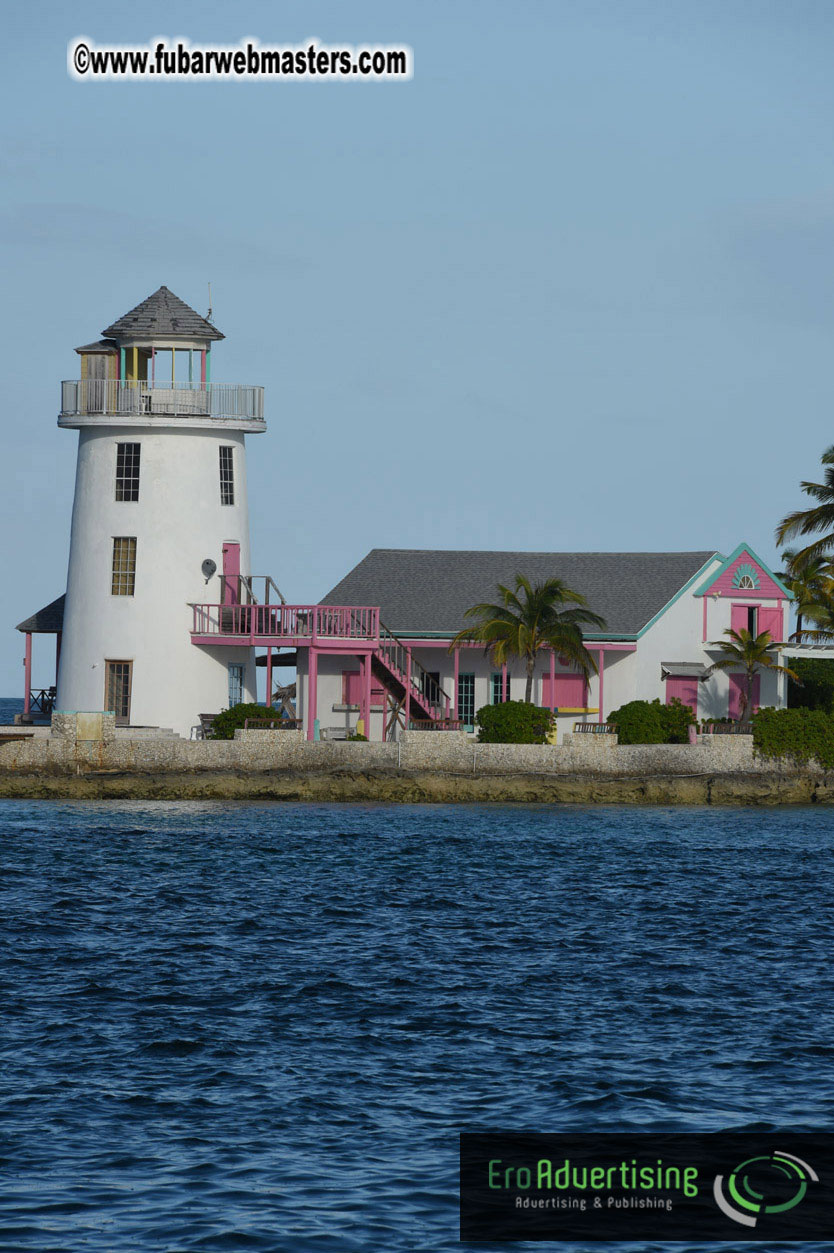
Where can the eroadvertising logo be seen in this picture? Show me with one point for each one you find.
(718, 1186)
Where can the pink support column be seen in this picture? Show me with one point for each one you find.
(269, 677)
(203, 368)
(408, 689)
(27, 676)
(366, 695)
(455, 681)
(504, 692)
(601, 662)
(312, 694)
(363, 713)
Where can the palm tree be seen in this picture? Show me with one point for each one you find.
(529, 618)
(819, 518)
(750, 653)
(811, 579)
(820, 625)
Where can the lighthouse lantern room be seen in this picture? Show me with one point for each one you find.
(160, 510)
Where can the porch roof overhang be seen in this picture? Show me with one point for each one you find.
(47, 621)
(684, 670)
(807, 648)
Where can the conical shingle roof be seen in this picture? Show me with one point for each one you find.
(162, 315)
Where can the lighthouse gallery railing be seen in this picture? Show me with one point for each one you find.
(132, 397)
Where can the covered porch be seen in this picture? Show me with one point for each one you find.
(39, 701)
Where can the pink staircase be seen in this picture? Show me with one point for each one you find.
(409, 685)
(248, 620)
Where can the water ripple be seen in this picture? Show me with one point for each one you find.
(232, 1027)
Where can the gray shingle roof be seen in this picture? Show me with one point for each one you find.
(100, 345)
(47, 620)
(163, 315)
(420, 590)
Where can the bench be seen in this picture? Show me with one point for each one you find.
(203, 731)
(271, 724)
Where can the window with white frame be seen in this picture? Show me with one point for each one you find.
(127, 471)
(235, 684)
(227, 475)
(496, 688)
(466, 699)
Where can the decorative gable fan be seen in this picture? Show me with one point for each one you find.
(746, 577)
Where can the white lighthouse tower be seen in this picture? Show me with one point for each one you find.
(160, 505)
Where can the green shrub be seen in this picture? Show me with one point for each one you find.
(815, 689)
(800, 735)
(677, 718)
(649, 722)
(227, 722)
(639, 722)
(514, 722)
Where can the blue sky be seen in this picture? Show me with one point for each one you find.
(570, 288)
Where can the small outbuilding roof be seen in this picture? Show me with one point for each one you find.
(424, 591)
(100, 345)
(47, 621)
(163, 315)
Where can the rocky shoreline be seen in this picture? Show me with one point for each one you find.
(424, 786)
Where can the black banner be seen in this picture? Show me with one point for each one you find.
(723, 1186)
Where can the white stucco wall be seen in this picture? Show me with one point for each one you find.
(178, 521)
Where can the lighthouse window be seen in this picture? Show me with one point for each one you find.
(127, 471)
(119, 674)
(227, 476)
(124, 565)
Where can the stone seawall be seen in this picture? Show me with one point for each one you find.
(86, 755)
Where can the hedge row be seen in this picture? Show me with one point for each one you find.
(800, 735)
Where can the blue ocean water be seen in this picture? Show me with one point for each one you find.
(251, 1026)
(9, 706)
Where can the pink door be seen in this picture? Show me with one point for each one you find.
(685, 689)
(771, 620)
(740, 617)
(738, 686)
(231, 574)
(568, 692)
(352, 689)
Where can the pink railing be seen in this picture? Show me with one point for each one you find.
(301, 622)
(424, 688)
(256, 623)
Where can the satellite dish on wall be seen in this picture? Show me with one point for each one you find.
(208, 568)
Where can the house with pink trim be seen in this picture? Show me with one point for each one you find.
(664, 613)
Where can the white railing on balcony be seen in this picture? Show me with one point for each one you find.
(130, 397)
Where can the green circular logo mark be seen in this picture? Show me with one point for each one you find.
(771, 1184)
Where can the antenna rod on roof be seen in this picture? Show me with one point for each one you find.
(208, 315)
